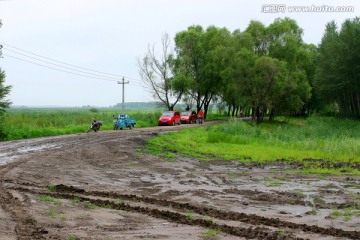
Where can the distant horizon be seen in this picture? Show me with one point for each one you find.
(87, 106)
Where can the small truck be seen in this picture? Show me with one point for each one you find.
(123, 121)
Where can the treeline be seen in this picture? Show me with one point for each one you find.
(263, 70)
(338, 68)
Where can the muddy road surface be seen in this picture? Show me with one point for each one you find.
(105, 186)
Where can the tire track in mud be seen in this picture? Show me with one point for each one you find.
(26, 226)
(255, 232)
(12, 152)
(258, 222)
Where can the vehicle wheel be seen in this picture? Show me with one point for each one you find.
(120, 128)
(130, 126)
(173, 123)
(115, 127)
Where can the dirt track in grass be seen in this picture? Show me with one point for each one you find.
(107, 187)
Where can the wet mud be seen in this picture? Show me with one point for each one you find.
(105, 186)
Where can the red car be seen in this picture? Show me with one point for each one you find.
(169, 118)
(188, 117)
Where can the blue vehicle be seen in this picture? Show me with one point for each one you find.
(123, 121)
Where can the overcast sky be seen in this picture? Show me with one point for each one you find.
(108, 36)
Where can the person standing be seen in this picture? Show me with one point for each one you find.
(200, 116)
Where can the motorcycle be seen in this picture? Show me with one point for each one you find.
(95, 125)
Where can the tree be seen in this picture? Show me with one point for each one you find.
(238, 59)
(199, 58)
(157, 73)
(4, 103)
(0, 44)
(338, 69)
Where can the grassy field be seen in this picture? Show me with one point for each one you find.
(31, 123)
(336, 142)
(296, 141)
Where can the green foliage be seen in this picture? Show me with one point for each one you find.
(267, 69)
(52, 188)
(337, 75)
(93, 110)
(4, 103)
(199, 60)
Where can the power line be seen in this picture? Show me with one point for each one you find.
(64, 63)
(58, 65)
(74, 73)
(57, 68)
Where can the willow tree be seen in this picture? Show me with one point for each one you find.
(157, 73)
(198, 55)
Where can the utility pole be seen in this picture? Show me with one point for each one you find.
(123, 91)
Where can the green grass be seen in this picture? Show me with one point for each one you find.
(189, 215)
(31, 123)
(327, 138)
(72, 238)
(75, 200)
(211, 233)
(40, 122)
(49, 199)
(346, 214)
(53, 214)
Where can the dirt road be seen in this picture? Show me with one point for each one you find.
(105, 186)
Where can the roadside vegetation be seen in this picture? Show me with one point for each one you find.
(314, 144)
(32, 123)
(24, 123)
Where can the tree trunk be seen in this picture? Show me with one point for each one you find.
(253, 116)
(237, 111)
(271, 115)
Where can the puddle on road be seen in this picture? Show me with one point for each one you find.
(14, 153)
